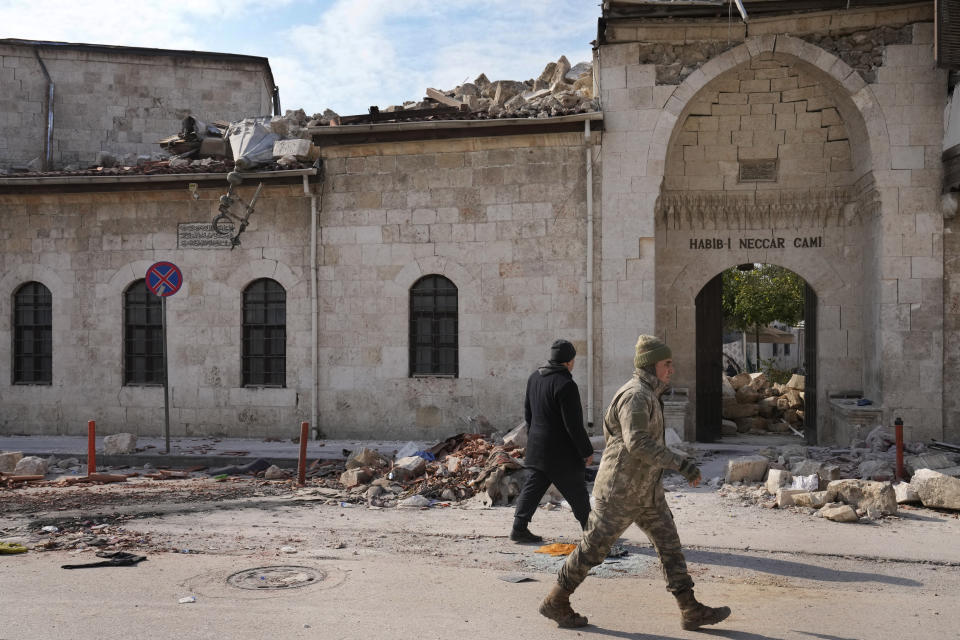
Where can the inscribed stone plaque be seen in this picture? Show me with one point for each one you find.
(758, 170)
(200, 235)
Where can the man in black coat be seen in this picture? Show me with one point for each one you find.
(558, 447)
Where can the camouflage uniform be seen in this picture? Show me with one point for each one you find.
(628, 486)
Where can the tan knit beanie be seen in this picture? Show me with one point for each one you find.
(650, 350)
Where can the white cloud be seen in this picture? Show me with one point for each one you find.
(342, 54)
(364, 52)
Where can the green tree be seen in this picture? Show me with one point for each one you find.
(754, 298)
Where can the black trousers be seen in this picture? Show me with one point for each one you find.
(571, 484)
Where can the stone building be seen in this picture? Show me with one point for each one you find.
(61, 103)
(448, 253)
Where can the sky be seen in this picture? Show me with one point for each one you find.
(345, 55)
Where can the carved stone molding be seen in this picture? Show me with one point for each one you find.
(694, 210)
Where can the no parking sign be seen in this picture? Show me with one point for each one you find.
(164, 279)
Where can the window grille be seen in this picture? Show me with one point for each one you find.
(264, 334)
(142, 336)
(32, 335)
(433, 327)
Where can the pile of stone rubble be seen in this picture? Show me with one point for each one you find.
(752, 404)
(846, 484)
(561, 89)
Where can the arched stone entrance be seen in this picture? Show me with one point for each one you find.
(769, 161)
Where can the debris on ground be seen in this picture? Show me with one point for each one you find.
(753, 404)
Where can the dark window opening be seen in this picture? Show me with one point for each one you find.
(433, 327)
(142, 336)
(32, 335)
(264, 334)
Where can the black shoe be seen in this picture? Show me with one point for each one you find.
(524, 535)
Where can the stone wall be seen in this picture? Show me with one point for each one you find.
(116, 100)
(504, 220)
(87, 248)
(873, 146)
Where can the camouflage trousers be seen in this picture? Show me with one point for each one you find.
(607, 523)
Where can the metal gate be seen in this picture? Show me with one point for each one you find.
(810, 364)
(709, 402)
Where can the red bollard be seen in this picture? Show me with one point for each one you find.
(898, 430)
(91, 447)
(302, 466)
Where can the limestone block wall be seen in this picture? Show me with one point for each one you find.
(909, 312)
(111, 99)
(888, 98)
(87, 248)
(502, 218)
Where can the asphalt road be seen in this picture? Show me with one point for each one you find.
(437, 573)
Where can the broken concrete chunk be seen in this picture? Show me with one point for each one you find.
(578, 70)
(407, 468)
(746, 469)
(119, 444)
(300, 149)
(515, 103)
(274, 472)
(728, 428)
(863, 494)
(9, 460)
(31, 466)
(503, 90)
(213, 147)
(354, 477)
(777, 478)
(839, 513)
(452, 463)
(560, 71)
(812, 499)
(785, 497)
(937, 489)
(906, 493)
(443, 98)
(414, 502)
(364, 457)
(740, 380)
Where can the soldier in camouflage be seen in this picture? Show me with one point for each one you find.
(628, 489)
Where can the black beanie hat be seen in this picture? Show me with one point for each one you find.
(562, 351)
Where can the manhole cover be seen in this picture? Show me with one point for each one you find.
(281, 577)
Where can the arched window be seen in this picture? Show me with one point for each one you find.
(264, 334)
(433, 327)
(32, 335)
(142, 336)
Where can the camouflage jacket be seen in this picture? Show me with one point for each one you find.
(634, 455)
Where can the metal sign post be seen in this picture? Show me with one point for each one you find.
(164, 279)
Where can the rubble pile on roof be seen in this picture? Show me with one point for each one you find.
(561, 89)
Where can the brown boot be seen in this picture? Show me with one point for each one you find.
(695, 615)
(556, 606)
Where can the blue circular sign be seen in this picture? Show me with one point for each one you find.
(164, 279)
